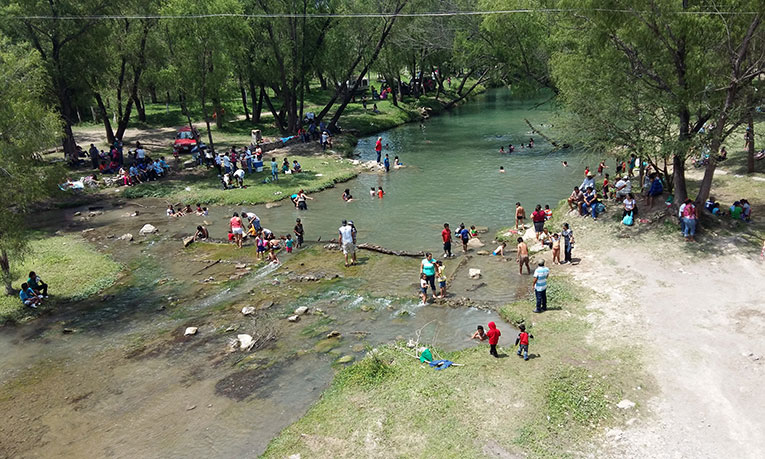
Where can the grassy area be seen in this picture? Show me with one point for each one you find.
(548, 406)
(319, 173)
(71, 268)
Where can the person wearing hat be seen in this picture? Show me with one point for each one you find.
(588, 182)
(540, 286)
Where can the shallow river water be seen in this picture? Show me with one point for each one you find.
(100, 392)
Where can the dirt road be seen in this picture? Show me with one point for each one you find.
(700, 317)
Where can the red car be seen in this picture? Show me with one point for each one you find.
(185, 140)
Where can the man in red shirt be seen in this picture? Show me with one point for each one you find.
(493, 335)
(378, 149)
(538, 217)
(446, 236)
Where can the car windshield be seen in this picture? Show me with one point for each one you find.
(184, 135)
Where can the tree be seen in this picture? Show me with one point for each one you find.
(27, 125)
(63, 46)
(201, 48)
(651, 79)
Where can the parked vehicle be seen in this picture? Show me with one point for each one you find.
(185, 140)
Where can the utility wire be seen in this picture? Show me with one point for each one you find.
(363, 15)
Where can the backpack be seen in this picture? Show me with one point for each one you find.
(628, 220)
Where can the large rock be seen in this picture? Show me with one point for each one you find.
(147, 229)
(474, 273)
(293, 318)
(248, 310)
(475, 243)
(245, 341)
(190, 331)
(301, 310)
(126, 237)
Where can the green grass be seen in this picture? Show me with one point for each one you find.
(71, 268)
(207, 190)
(552, 404)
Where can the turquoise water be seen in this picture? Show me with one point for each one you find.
(451, 175)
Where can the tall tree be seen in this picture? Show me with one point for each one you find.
(27, 126)
(63, 46)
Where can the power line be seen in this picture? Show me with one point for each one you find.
(363, 15)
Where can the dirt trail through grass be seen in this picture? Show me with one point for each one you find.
(700, 319)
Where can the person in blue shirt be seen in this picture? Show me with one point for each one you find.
(387, 163)
(274, 170)
(540, 286)
(163, 164)
(464, 236)
(28, 296)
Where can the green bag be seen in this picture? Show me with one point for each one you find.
(426, 356)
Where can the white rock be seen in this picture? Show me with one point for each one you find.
(247, 310)
(147, 229)
(190, 331)
(88, 230)
(474, 273)
(245, 342)
(475, 243)
(625, 404)
(126, 237)
(295, 456)
(293, 318)
(301, 310)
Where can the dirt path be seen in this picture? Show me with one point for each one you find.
(701, 321)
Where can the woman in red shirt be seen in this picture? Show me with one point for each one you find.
(538, 217)
(378, 149)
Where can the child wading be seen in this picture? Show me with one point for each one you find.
(523, 340)
(493, 335)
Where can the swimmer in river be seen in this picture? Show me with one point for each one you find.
(565, 163)
(501, 169)
(502, 149)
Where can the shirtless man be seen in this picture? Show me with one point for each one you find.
(523, 257)
(520, 214)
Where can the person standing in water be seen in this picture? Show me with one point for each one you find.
(522, 257)
(236, 228)
(347, 243)
(428, 269)
(446, 237)
(299, 232)
(378, 149)
(386, 163)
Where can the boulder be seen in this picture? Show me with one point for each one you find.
(293, 318)
(126, 237)
(187, 241)
(301, 310)
(271, 205)
(190, 331)
(147, 229)
(482, 252)
(245, 341)
(481, 229)
(625, 404)
(475, 243)
(248, 310)
(77, 214)
(345, 359)
(333, 334)
(474, 273)
(88, 230)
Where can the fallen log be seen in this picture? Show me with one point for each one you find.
(536, 131)
(398, 253)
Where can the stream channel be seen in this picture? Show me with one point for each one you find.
(127, 383)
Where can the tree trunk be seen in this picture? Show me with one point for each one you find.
(153, 94)
(678, 177)
(464, 80)
(217, 109)
(322, 80)
(140, 107)
(244, 100)
(277, 117)
(750, 146)
(105, 116)
(6, 273)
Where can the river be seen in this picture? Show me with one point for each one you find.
(126, 383)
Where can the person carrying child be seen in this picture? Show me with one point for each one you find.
(493, 335)
(522, 341)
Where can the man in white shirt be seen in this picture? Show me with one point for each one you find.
(623, 188)
(588, 182)
(347, 242)
(140, 153)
